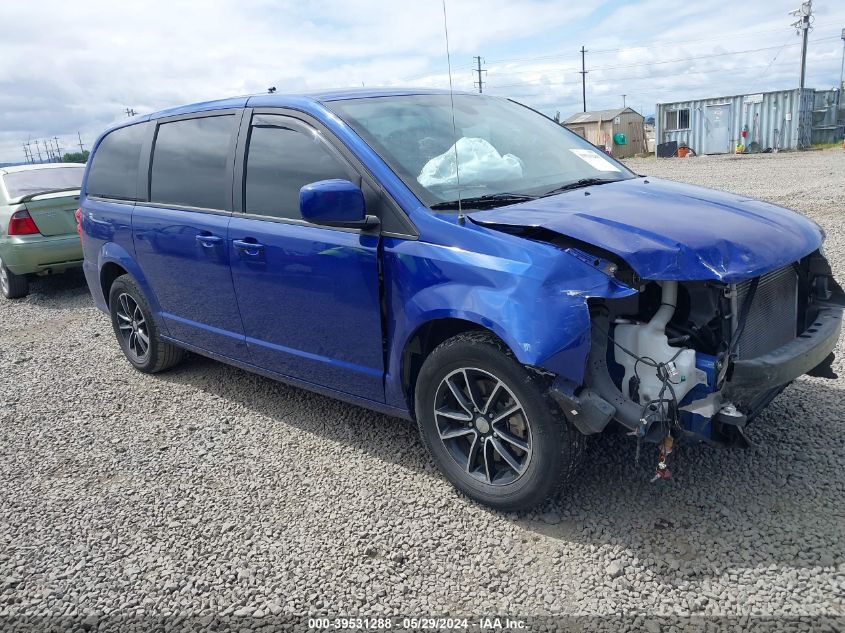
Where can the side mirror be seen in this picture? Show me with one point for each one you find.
(335, 203)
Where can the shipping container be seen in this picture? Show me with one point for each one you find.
(784, 119)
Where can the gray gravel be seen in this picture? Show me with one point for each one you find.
(208, 492)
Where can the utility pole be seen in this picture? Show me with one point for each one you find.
(842, 70)
(479, 70)
(584, 72)
(804, 13)
(130, 112)
(623, 101)
(81, 148)
(58, 150)
(38, 149)
(26, 153)
(802, 26)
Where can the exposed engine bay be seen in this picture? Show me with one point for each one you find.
(683, 360)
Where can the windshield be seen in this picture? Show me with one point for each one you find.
(502, 147)
(24, 183)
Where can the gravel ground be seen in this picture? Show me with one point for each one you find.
(207, 495)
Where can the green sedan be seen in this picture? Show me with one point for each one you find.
(37, 223)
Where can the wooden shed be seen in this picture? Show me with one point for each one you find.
(622, 131)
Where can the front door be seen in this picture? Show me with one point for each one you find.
(180, 234)
(717, 129)
(308, 295)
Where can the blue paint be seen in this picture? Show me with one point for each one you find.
(331, 201)
(694, 423)
(671, 231)
(333, 310)
(190, 277)
(309, 303)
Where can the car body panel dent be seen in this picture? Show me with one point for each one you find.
(532, 297)
(671, 231)
(475, 267)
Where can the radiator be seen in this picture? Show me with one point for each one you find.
(773, 318)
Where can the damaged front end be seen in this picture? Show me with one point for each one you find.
(698, 360)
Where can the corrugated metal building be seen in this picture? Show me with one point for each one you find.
(786, 119)
(621, 130)
(828, 116)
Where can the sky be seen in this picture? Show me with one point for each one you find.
(69, 68)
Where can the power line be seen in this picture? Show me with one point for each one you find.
(635, 47)
(769, 66)
(630, 48)
(673, 61)
(642, 44)
(668, 61)
(779, 49)
(690, 59)
(650, 44)
(616, 80)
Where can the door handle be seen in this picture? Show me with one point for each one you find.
(248, 248)
(209, 240)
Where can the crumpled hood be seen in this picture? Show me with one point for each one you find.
(671, 231)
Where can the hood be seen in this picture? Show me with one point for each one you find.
(670, 231)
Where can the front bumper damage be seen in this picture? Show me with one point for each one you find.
(717, 412)
(803, 354)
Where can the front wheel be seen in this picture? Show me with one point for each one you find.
(489, 425)
(13, 286)
(136, 331)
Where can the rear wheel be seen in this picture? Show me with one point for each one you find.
(489, 425)
(136, 331)
(13, 286)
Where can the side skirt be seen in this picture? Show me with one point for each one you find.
(381, 407)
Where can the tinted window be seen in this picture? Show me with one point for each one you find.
(190, 160)
(279, 163)
(23, 183)
(114, 168)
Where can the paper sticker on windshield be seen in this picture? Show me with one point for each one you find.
(594, 159)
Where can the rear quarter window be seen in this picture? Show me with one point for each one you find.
(114, 167)
(190, 162)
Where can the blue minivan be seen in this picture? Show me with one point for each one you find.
(457, 260)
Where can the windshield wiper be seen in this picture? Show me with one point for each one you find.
(578, 184)
(481, 202)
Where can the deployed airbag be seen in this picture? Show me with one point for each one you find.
(478, 162)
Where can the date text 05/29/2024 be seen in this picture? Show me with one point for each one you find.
(418, 623)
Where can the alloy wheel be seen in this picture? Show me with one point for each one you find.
(132, 327)
(483, 426)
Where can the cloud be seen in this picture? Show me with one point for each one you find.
(68, 66)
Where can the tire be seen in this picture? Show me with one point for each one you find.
(541, 445)
(133, 322)
(12, 286)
